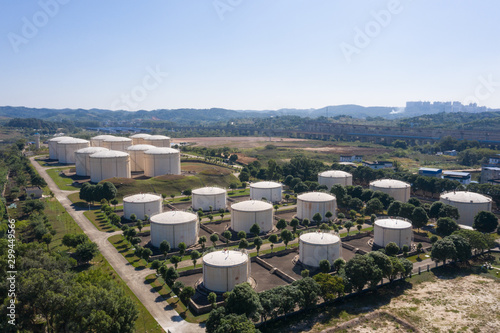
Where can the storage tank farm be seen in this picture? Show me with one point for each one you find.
(317, 246)
(175, 227)
(136, 153)
(119, 143)
(246, 213)
(308, 204)
(271, 191)
(223, 270)
(97, 140)
(468, 205)
(138, 139)
(334, 177)
(393, 229)
(142, 204)
(209, 196)
(53, 146)
(162, 161)
(82, 159)
(66, 149)
(395, 188)
(109, 164)
(157, 141)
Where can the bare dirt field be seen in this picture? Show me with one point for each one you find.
(348, 150)
(235, 141)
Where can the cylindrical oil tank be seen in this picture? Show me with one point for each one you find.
(96, 141)
(223, 270)
(53, 146)
(119, 143)
(397, 230)
(246, 213)
(334, 177)
(158, 141)
(66, 149)
(82, 159)
(138, 139)
(308, 204)
(395, 188)
(468, 204)
(209, 196)
(162, 161)
(317, 246)
(271, 191)
(136, 153)
(175, 227)
(142, 204)
(109, 164)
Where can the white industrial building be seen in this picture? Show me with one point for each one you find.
(246, 213)
(308, 204)
(334, 177)
(162, 161)
(175, 227)
(468, 204)
(82, 159)
(223, 270)
(317, 246)
(96, 141)
(397, 230)
(158, 141)
(270, 191)
(136, 153)
(109, 164)
(119, 143)
(138, 139)
(66, 149)
(209, 196)
(53, 146)
(395, 188)
(142, 204)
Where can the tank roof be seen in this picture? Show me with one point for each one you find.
(174, 217)
(140, 136)
(316, 197)
(252, 206)
(140, 147)
(72, 140)
(319, 238)
(161, 151)
(393, 223)
(226, 258)
(59, 138)
(102, 137)
(158, 137)
(265, 185)
(390, 183)
(335, 174)
(209, 191)
(117, 139)
(90, 150)
(466, 197)
(109, 154)
(142, 197)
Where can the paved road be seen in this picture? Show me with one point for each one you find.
(164, 314)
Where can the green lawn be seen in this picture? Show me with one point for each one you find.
(97, 219)
(123, 247)
(63, 182)
(354, 231)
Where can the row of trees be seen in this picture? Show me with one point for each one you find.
(92, 193)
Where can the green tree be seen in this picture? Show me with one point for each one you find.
(182, 248)
(169, 275)
(304, 273)
(195, 255)
(273, 238)
(485, 222)
(187, 192)
(286, 236)
(47, 239)
(374, 206)
(394, 208)
(177, 287)
(258, 243)
(383, 262)
(306, 222)
(133, 217)
(443, 249)
(419, 218)
(186, 294)
(212, 299)
(175, 260)
(281, 224)
(232, 323)
(114, 202)
(86, 252)
(330, 286)
(243, 244)
(164, 247)
(244, 300)
(324, 266)
(146, 254)
(221, 213)
(339, 264)
(317, 218)
(391, 249)
(361, 270)
(227, 235)
(202, 240)
(255, 229)
(310, 291)
(446, 226)
(348, 225)
(294, 223)
(241, 234)
(139, 225)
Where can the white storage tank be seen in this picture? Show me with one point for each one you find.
(82, 159)
(96, 141)
(119, 143)
(136, 153)
(317, 246)
(162, 161)
(138, 139)
(308, 204)
(397, 230)
(175, 227)
(246, 213)
(209, 196)
(334, 177)
(158, 141)
(223, 270)
(109, 164)
(142, 204)
(395, 188)
(66, 149)
(53, 146)
(468, 204)
(271, 191)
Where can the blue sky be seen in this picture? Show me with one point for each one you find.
(247, 54)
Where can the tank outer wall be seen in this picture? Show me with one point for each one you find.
(104, 168)
(312, 254)
(467, 210)
(117, 145)
(330, 181)
(270, 194)
(384, 235)
(307, 209)
(222, 279)
(162, 164)
(174, 233)
(217, 201)
(243, 220)
(398, 193)
(66, 152)
(140, 209)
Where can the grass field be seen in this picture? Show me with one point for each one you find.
(123, 247)
(97, 219)
(63, 182)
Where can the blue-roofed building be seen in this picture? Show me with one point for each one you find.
(430, 172)
(462, 177)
